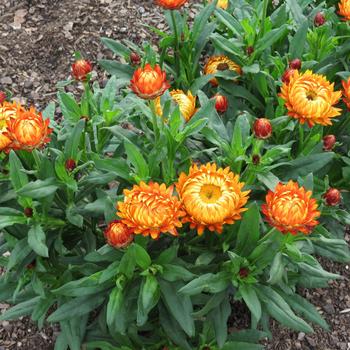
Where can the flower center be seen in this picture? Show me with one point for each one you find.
(311, 95)
(210, 193)
(222, 66)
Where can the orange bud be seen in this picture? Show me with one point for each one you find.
(2, 97)
(319, 19)
(329, 142)
(135, 59)
(288, 73)
(262, 128)
(70, 164)
(118, 235)
(80, 69)
(295, 64)
(332, 197)
(221, 103)
(149, 83)
(170, 4)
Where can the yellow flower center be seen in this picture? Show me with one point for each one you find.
(210, 193)
(311, 95)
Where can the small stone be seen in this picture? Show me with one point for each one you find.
(6, 81)
(329, 308)
(301, 336)
(311, 341)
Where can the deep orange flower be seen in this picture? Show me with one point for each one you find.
(118, 235)
(332, 197)
(7, 111)
(344, 9)
(329, 142)
(310, 98)
(221, 103)
(211, 197)
(346, 92)
(290, 208)
(220, 63)
(149, 83)
(262, 128)
(171, 4)
(80, 69)
(3, 97)
(223, 4)
(29, 130)
(151, 210)
(186, 102)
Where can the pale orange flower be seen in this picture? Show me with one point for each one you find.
(151, 210)
(118, 235)
(310, 98)
(149, 83)
(211, 197)
(344, 9)
(186, 102)
(171, 4)
(220, 63)
(346, 92)
(290, 208)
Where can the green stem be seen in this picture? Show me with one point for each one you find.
(154, 122)
(301, 138)
(177, 48)
(264, 14)
(268, 235)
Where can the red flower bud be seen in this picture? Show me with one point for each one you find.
(2, 97)
(243, 272)
(135, 59)
(249, 50)
(319, 19)
(80, 69)
(329, 142)
(28, 212)
(332, 197)
(118, 235)
(31, 265)
(295, 64)
(262, 128)
(256, 159)
(221, 103)
(287, 75)
(70, 164)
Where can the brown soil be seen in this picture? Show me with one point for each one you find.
(37, 41)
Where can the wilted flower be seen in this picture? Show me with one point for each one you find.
(332, 197)
(262, 128)
(344, 9)
(2, 97)
(310, 98)
(288, 73)
(329, 142)
(28, 212)
(186, 102)
(243, 272)
(151, 210)
(221, 103)
(255, 159)
(80, 69)
(70, 164)
(8, 111)
(149, 83)
(220, 63)
(170, 4)
(28, 130)
(118, 235)
(135, 59)
(290, 208)
(295, 64)
(346, 92)
(223, 4)
(249, 50)
(319, 19)
(211, 197)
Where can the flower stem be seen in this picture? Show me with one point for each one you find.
(176, 47)
(301, 138)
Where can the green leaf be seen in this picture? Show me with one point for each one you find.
(9, 220)
(69, 107)
(21, 309)
(71, 145)
(116, 47)
(39, 188)
(277, 269)
(20, 252)
(141, 256)
(136, 159)
(174, 272)
(236, 345)
(251, 299)
(219, 317)
(116, 311)
(123, 71)
(271, 38)
(297, 43)
(18, 177)
(37, 240)
(117, 166)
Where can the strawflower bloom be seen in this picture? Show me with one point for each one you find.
(186, 102)
(171, 4)
(149, 83)
(346, 92)
(221, 103)
(220, 63)
(118, 235)
(332, 197)
(8, 111)
(262, 128)
(151, 210)
(344, 9)
(80, 69)
(211, 197)
(28, 130)
(290, 208)
(329, 142)
(310, 98)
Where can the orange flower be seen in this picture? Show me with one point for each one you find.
(262, 128)
(221, 103)
(80, 69)
(171, 4)
(187, 103)
(151, 210)
(310, 98)
(211, 197)
(149, 83)
(344, 9)
(220, 63)
(223, 4)
(291, 209)
(7, 111)
(118, 235)
(28, 130)
(346, 92)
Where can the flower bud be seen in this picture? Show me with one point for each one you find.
(262, 128)
(256, 159)
(80, 69)
(329, 142)
(249, 50)
(221, 103)
(295, 64)
(332, 197)
(319, 19)
(70, 164)
(135, 59)
(118, 235)
(243, 272)
(287, 75)
(2, 97)
(28, 212)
